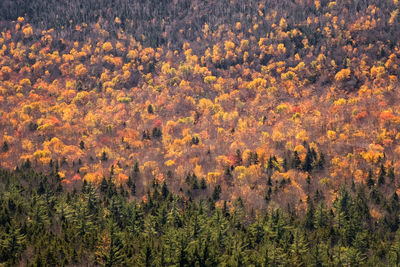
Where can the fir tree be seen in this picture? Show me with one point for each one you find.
(382, 175)
(82, 145)
(150, 109)
(203, 184)
(308, 161)
(296, 160)
(216, 193)
(370, 180)
(5, 147)
(104, 156)
(309, 220)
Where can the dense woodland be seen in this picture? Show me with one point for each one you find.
(274, 110)
(44, 225)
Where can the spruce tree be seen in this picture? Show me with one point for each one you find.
(308, 161)
(370, 180)
(309, 220)
(296, 160)
(5, 147)
(382, 175)
(391, 175)
(216, 193)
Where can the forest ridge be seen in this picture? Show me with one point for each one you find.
(257, 102)
(199, 133)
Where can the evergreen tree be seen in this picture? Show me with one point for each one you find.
(285, 164)
(382, 174)
(370, 180)
(133, 189)
(195, 140)
(309, 220)
(104, 156)
(129, 183)
(82, 145)
(321, 161)
(296, 160)
(110, 251)
(391, 175)
(298, 250)
(150, 109)
(164, 190)
(12, 244)
(228, 172)
(394, 255)
(136, 168)
(5, 147)
(103, 185)
(147, 257)
(78, 227)
(321, 216)
(156, 132)
(216, 193)
(308, 161)
(182, 256)
(203, 184)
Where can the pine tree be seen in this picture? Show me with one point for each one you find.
(156, 132)
(321, 161)
(136, 168)
(370, 180)
(382, 174)
(147, 257)
(228, 172)
(296, 160)
(110, 251)
(195, 184)
(321, 216)
(5, 147)
(308, 161)
(391, 175)
(182, 256)
(309, 220)
(12, 245)
(216, 193)
(195, 140)
(92, 199)
(394, 255)
(342, 207)
(164, 190)
(285, 165)
(150, 109)
(104, 156)
(316, 258)
(129, 183)
(133, 189)
(103, 185)
(203, 184)
(308, 179)
(268, 195)
(298, 250)
(270, 164)
(269, 181)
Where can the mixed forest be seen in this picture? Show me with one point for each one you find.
(199, 133)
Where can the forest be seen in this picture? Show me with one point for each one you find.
(42, 224)
(254, 126)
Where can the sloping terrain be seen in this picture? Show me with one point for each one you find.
(268, 101)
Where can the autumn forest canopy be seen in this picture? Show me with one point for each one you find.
(275, 123)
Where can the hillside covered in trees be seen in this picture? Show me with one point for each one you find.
(43, 225)
(277, 105)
